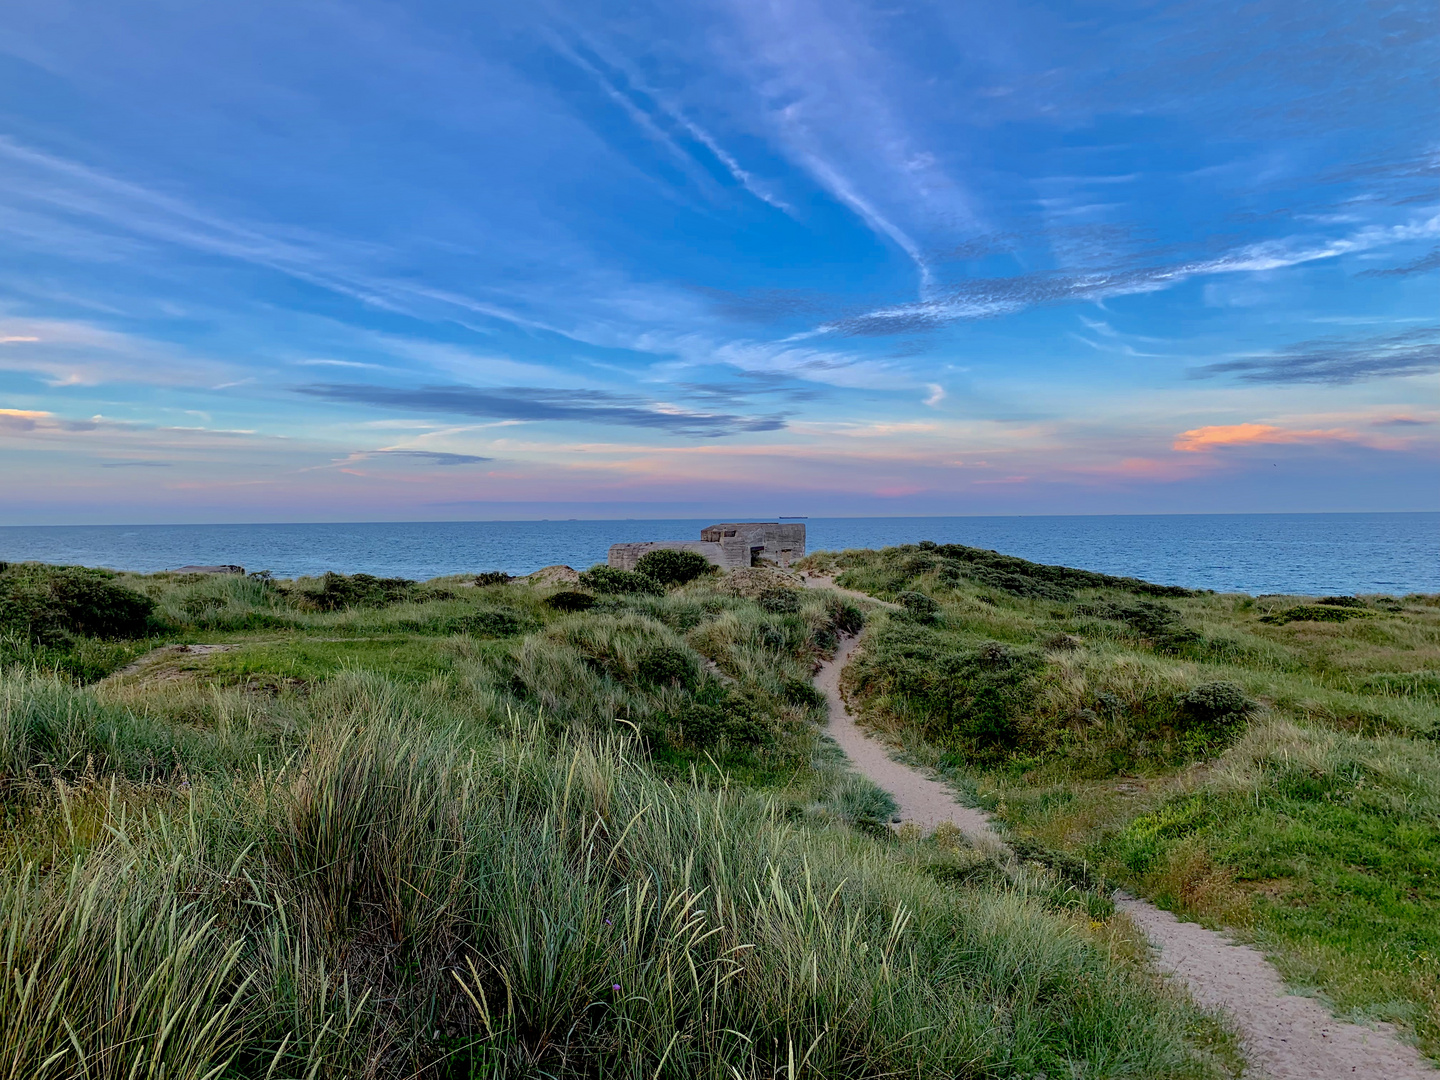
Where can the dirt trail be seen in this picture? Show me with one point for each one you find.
(155, 656)
(924, 801)
(1286, 1037)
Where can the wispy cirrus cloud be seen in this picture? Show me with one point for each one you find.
(1337, 361)
(545, 404)
(657, 115)
(69, 195)
(983, 298)
(64, 352)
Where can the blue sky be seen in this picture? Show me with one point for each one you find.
(338, 261)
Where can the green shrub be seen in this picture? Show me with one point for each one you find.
(1314, 613)
(719, 713)
(610, 581)
(489, 622)
(959, 693)
(671, 567)
(1162, 624)
(1021, 575)
(779, 600)
(570, 600)
(1341, 601)
(803, 693)
(492, 577)
(846, 617)
(918, 606)
(665, 665)
(1143, 616)
(85, 660)
(49, 603)
(336, 592)
(1215, 709)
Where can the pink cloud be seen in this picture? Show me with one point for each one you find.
(1200, 440)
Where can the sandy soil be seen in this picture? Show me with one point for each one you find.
(1286, 1037)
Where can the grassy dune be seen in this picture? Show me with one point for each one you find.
(441, 830)
(1266, 763)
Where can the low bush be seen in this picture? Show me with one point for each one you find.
(665, 665)
(671, 567)
(1215, 710)
(492, 622)
(803, 693)
(610, 581)
(1160, 623)
(570, 600)
(918, 606)
(780, 601)
(47, 604)
(1314, 613)
(845, 617)
(971, 694)
(1142, 616)
(336, 592)
(492, 577)
(1021, 577)
(718, 713)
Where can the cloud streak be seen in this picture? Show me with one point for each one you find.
(984, 298)
(1338, 361)
(1422, 265)
(430, 457)
(545, 404)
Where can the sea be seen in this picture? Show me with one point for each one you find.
(1302, 554)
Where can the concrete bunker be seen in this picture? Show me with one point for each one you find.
(729, 545)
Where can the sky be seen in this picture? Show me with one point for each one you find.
(326, 261)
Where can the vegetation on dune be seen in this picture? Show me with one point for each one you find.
(1265, 763)
(610, 581)
(457, 831)
(674, 567)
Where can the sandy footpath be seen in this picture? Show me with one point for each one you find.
(1286, 1037)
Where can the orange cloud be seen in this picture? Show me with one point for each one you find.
(25, 414)
(1199, 440)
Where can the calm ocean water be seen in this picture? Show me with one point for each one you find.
(1254, 553)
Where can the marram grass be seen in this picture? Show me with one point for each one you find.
(400, 895)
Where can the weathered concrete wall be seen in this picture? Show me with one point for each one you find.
(771, 540)
(625, 556)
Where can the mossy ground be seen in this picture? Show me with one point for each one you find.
(1313, 826)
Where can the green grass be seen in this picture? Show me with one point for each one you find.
(408, 657)
(602, 844)
(1313, 826)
